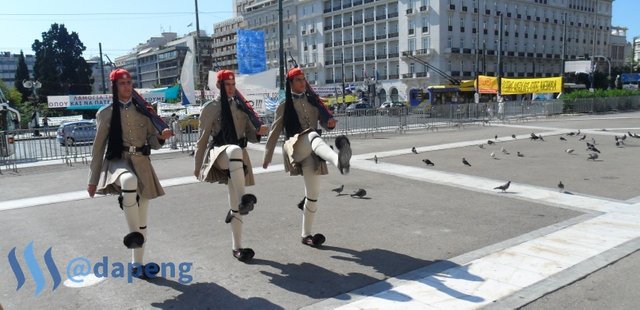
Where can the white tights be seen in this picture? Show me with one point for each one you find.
(231, 159)
(136, 217)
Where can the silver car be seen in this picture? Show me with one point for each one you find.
(76, 132)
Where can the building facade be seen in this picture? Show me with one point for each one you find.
(99, 76)
(223, 44)
(9, 66)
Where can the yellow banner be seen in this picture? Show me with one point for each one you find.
(487, 84)
(528, 86)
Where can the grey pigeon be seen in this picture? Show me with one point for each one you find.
(489, 142)
(560, 186)
(413, 150)
(563, 139)
(513, 136)
(465, 162)
(428, 162)
(520, 154)
(375, 158)
(583, 137)
(338, 189)
(540, 137)
(569, 151)
(503, 187)
(593, 156)
(359, 193)
(504, 150)
(481, 146)
(578, 133)
(495, 137)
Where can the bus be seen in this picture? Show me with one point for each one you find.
(442, 94)
(9, 123)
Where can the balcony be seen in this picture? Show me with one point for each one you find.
(421, 74)
(370, 57)
(368, 19)
(407, 53)
(327, 10)
(328, 27)
(357, 21)
(328, 81)
(381, 36)
(392, 15)
(359, 59)
(304, 32)
(337, 43)
(407, 75)
(328, 62)
(346, 42)
(357, 2)
(452, 7)
(381, 56)
(381, 17)
(371, 38)
(357, 40)
(393, 55)
(327, 44)
(412, 31)
(425, 29)
(346, 24)
(393, 35)
(393, 76)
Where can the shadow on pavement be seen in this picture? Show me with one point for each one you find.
(207, 296)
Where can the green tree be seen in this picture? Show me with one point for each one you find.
(59, 65)
(22, 73)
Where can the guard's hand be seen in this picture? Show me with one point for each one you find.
(265, 165)
(91, 189)
(264, 130)
(331, 123)
(166, 134)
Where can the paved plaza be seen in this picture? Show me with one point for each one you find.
(424, 237)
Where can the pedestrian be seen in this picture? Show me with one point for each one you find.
(45, 122)
(305, 152)
(128, 130)
(500, 108)
(177, 131)
(231, 122)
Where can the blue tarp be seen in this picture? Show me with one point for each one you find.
(250, 52)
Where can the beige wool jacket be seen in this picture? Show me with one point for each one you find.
(210, 125)
(308, 116)
(137, 130)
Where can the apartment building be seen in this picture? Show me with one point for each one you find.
(224, 42)
(9, 66)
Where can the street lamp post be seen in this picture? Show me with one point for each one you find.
(593, 67)
(34, 85)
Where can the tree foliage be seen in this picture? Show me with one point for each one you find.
(59, 65)
(22, 73)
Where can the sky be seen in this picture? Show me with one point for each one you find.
(121, 24)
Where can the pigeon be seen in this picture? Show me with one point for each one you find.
(630, 134)
(428, 162)
(561, 186)
(503, 187)
(495, 137)
(583, 137)
(624, 137)
(338, 189)
(513, 136)
(591, 147)
(571, 134)
(534, 137)
(375, 159)
(593, 156)
(569, 151)
(493, 155)
(520, 154)
(619, 143)
(578, 133)
(413, 150)
(465, 162)
(489, 142)
(481, 146)
(360, 193)
(563, 139)
(504, 150)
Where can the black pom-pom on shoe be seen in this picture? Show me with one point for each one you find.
(243, 255)
(133, 240)
(314, 241)
(247, 203)
(301, 203)
(344, 153)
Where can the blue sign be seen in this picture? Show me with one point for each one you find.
(250, 52)
(630, 77)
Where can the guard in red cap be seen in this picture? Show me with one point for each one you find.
(126, 133)
(231, 122)
(305, 152)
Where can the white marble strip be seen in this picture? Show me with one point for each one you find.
(485, 185)
(80, 195)
(500, 274)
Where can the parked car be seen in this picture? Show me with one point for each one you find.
(76, 132)
(359, 109)
(189, 123)
(392, 108)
